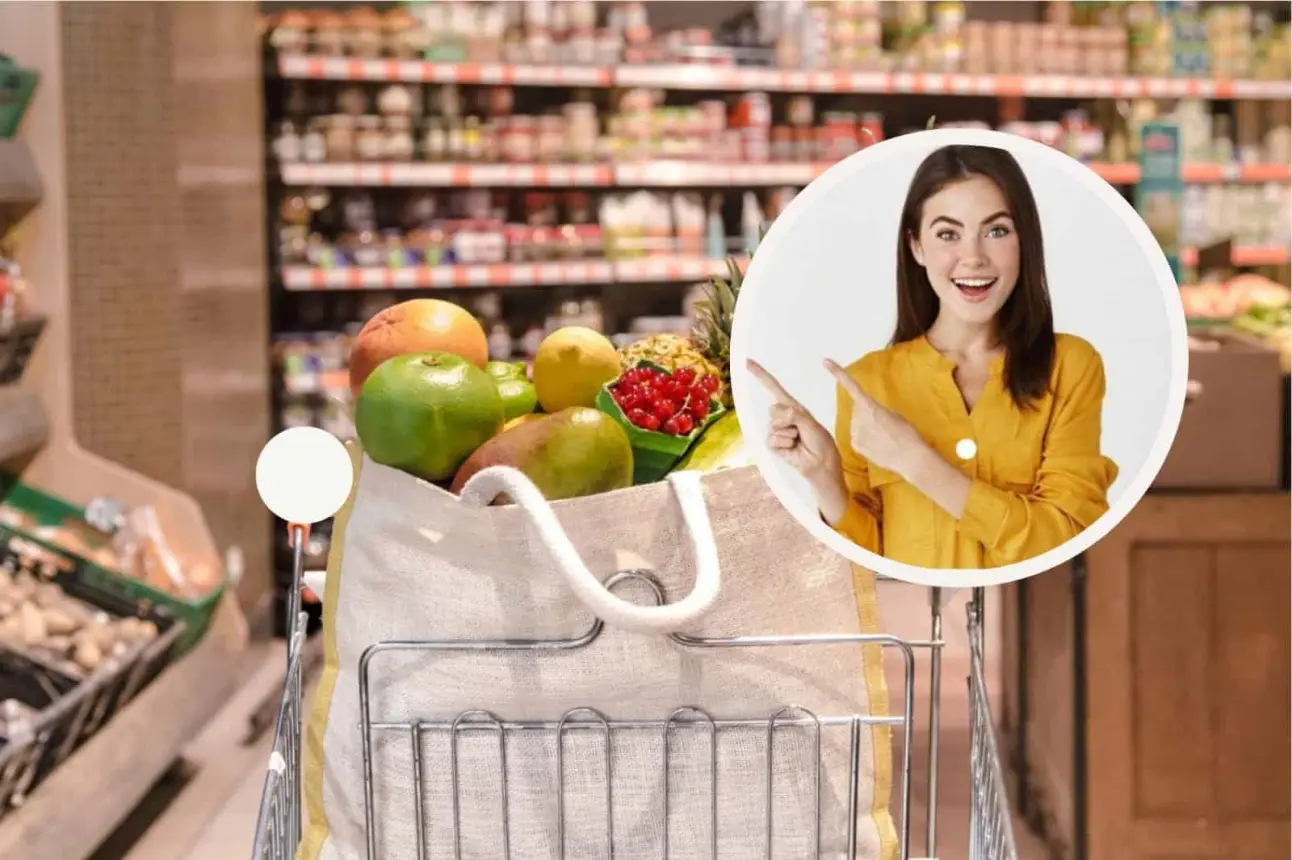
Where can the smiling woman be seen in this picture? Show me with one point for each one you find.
(973, 439)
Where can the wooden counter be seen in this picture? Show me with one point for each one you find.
(1148, 682)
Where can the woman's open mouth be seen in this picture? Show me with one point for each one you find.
(974, 289)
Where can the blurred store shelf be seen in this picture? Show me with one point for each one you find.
(653, 268)
(670, 174)
(445, 175)
(425, 277)
(713, 77)
(310, 67)
(1246, 255)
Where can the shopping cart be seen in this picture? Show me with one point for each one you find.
(278, 831)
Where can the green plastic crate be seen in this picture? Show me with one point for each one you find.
(49, 510)
(654, 454)
(16, 88)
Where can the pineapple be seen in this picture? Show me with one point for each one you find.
(712, 332)
(669, 351)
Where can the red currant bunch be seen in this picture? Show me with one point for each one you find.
(674, 403)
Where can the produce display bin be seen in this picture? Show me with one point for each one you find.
(107, 584)
(47, 709)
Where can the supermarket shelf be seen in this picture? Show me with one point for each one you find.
(669, 174)
(449, 175)
(647, 269)
(311, 67)
(299, 278)
(700, 173)
(321, 382)
(658, 269)
(1201, 174)
(1246, 255)
(1035, 86)
(710, 77)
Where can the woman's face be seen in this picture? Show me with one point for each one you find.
(968, 247)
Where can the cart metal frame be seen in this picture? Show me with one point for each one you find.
(278, 830)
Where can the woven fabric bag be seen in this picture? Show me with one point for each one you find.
(411, 562)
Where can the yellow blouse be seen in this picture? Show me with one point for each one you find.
(1038, 475)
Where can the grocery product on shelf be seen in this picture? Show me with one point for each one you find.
(1093, 39)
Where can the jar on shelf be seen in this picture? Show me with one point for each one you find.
(581, 131)
(395, 100)
(364, 33)
(394, 250)
(370, 142)
(368, 251)
(287, 143)
(290, 35)
(398, 139)
(352, 100)
(339, 138)
(551, 139)
(314, 142)
(329, 34)
(293, 245)
(319, 253)
(517, 236)
(294, 210)
(500, 101)
(782, 143)
(435, 141)
(404, 36)
(519, 140)
(472, 139)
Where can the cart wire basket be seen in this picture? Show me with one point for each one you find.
(279, 828)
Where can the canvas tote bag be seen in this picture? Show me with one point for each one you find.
(410, 561)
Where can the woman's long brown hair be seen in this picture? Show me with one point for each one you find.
(1025, 323)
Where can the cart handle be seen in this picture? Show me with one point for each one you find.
(489, 483)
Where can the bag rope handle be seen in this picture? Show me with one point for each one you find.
(487, 484)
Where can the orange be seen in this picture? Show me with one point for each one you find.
(414, 327)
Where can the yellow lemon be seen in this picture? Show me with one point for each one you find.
(571, 365)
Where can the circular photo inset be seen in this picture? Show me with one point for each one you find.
(959, 357)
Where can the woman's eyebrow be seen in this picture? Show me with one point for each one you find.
(1001, 214)
(953, 222)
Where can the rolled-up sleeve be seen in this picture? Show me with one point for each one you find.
(861, 519)
(1071, 488)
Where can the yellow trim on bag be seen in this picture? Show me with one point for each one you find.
(881, 736)
(316, 731)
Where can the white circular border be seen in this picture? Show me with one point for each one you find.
(871, 157)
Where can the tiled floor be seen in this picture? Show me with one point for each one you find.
(221, 826)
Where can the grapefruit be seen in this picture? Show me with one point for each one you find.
(426, 413)
(571, 365)
(413, 327)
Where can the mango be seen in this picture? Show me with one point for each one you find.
(572, 453)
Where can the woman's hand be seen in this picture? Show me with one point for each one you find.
(795, 436)
(879, 435)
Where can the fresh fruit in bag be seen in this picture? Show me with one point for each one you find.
(575, 452)
(669, 351)
(663, 414)
(414, 327)
(426, 413)
(721, 446)
(518, 395)
(714, 315)
(571, 365)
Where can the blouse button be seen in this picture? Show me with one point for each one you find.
(966, 449)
